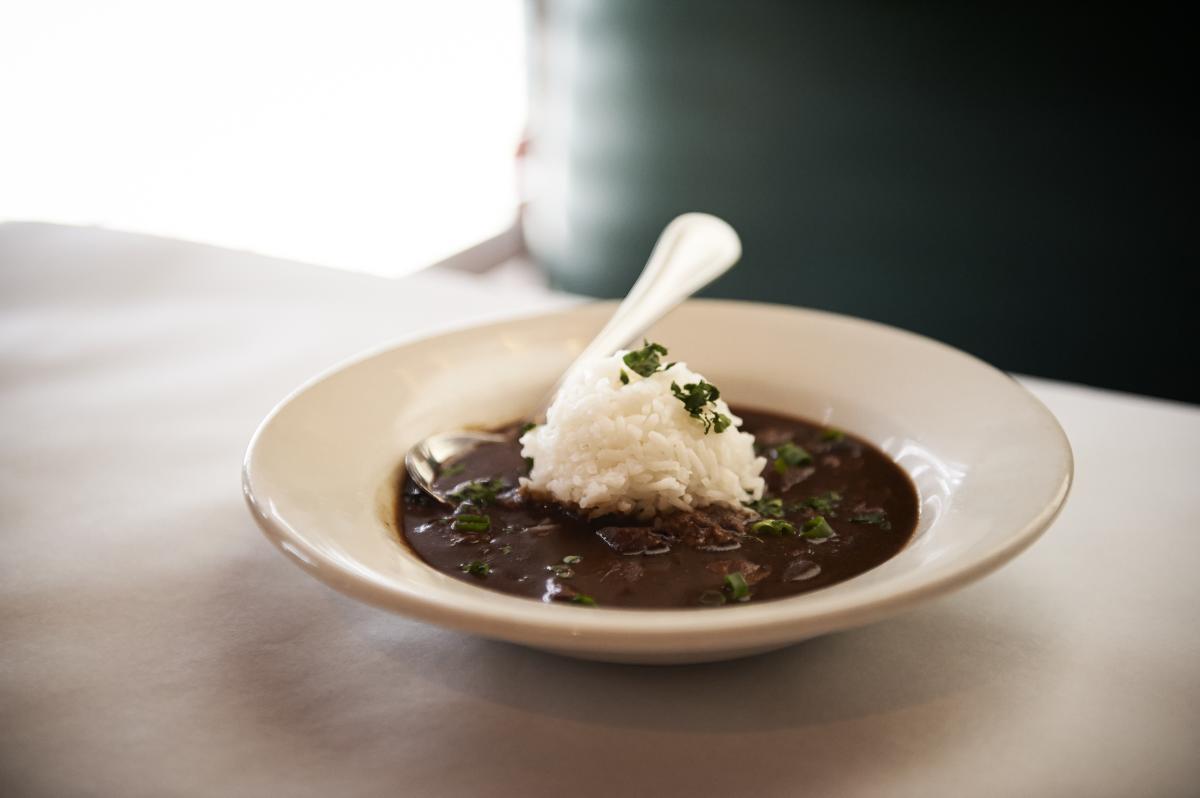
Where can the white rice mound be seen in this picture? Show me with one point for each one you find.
(633, 449)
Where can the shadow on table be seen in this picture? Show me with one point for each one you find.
(925, 656)
(370, 695)
(914, 660)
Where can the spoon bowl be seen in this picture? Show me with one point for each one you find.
(426, 460)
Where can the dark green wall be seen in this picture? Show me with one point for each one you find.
(1015, 183)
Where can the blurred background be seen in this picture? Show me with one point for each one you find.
(1015, 182)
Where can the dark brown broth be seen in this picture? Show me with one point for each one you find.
(528, 540)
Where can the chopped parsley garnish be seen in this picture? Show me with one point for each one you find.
(735, 585)
(773, 526)
(624, 377)
(645, 361)
(711, 598)
(481, 491)
(833, 435)
(696, 396)
(471, 523)
(476, 568)
(767, 508)
(452, 470)
(816, 528)
(789, 455)
(572, 559)
(873, 518)
(824, 503)
(584, 599)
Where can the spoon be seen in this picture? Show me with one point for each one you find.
(692, 251)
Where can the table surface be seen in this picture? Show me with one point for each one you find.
(154, 643)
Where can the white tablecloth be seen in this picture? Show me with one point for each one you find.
(154, 643)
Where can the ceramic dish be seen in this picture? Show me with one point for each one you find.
(991, 465)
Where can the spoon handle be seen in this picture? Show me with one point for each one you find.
(693, 250)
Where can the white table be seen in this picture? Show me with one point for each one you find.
(154, 643)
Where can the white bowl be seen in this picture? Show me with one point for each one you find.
(991, 465)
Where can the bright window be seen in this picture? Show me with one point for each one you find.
(375, 136)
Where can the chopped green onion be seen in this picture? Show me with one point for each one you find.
(872, 517)
(735, 583)
(480, 491)
(712, 598)
(833, 434)
(817, 528)
(824, 503)
(624, 377)
(767, 508)
(645, 361)
(572, 559)
(773, 526)
(451, 470)
(471, 523)
(584, 599)
(476, 568)
(561, 571)
(789, 455)
(506, 549)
